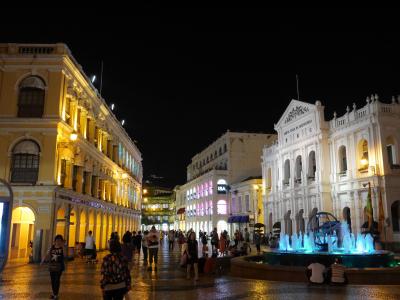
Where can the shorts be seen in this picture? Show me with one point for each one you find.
(89, 252)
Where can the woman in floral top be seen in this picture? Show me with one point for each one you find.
(116, 281)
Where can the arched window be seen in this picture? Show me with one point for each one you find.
(225, 148)
(286, 169)
(298, 169)
(312, 167)
(25, 162)
(269, 179)
(342, 159)
(221, 207)
(31, 97)
(221, 181)
(212, 157)
(395, 212)
(392, 153)
(220, 151)
(363, 155)
(208, 160)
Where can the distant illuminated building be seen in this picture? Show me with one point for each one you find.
(230, 159)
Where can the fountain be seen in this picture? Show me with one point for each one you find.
(326, 239)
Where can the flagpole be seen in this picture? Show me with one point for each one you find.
(297, 86)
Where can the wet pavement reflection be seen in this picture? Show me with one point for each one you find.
(81, 281)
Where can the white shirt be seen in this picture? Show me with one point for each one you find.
(89, 243)
(153, 236)
(317, 272)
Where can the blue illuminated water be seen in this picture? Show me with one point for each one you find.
(347, 243)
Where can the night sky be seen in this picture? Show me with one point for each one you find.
(181, 78)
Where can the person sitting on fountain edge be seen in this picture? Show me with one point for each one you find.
(337, 272)
(316, 272)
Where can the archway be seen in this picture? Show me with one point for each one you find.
(395, 214)
(221, 226)
(91, 221)
(60, 222)
(22, 229)
(104, 232)
(98, 230)
(72, 229)
(110, 225)
(82, 226)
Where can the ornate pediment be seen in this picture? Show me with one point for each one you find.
(295, 112)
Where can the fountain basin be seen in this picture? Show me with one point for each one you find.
(377, 259)
(255, 268)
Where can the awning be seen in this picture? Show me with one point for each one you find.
(238, 219)
(180, 211)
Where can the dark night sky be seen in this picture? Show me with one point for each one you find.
(182, 78)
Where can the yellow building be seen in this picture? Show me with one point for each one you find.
(72, 166)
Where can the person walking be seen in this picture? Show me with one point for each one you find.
(89, 248)
(153, 239)
(193, 256)
(181, 240)
(171, 240)
(55, 256)
(214, 240)
(247, 239)
(116, 277)
(257, 241)
(127, 248)
(138, 243)
(222, 244)
(144, 247)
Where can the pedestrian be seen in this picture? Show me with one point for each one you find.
(144, 246)
(89, 247)
(116, 277)
(127, 249)
(337, 272)
(171, 240)
(222, 244)
(153, 239)
(204, 241)
(257, 241)
(316, 272)
(181, 240)
(193, 256)
(134, 241)
(214, 240)
(247, 239)
(139, 242)
(55, 256)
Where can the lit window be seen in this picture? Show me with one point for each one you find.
(221, 207)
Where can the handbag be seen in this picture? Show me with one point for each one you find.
(184, 259)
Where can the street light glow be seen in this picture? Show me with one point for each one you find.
(122, 122)
(93, 78)
(73, 136)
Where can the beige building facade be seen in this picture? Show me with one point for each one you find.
(72, 166)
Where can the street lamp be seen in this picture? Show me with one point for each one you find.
(73, 136)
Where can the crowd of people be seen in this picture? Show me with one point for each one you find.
(117, 265)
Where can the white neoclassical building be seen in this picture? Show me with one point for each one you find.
(319, 165)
